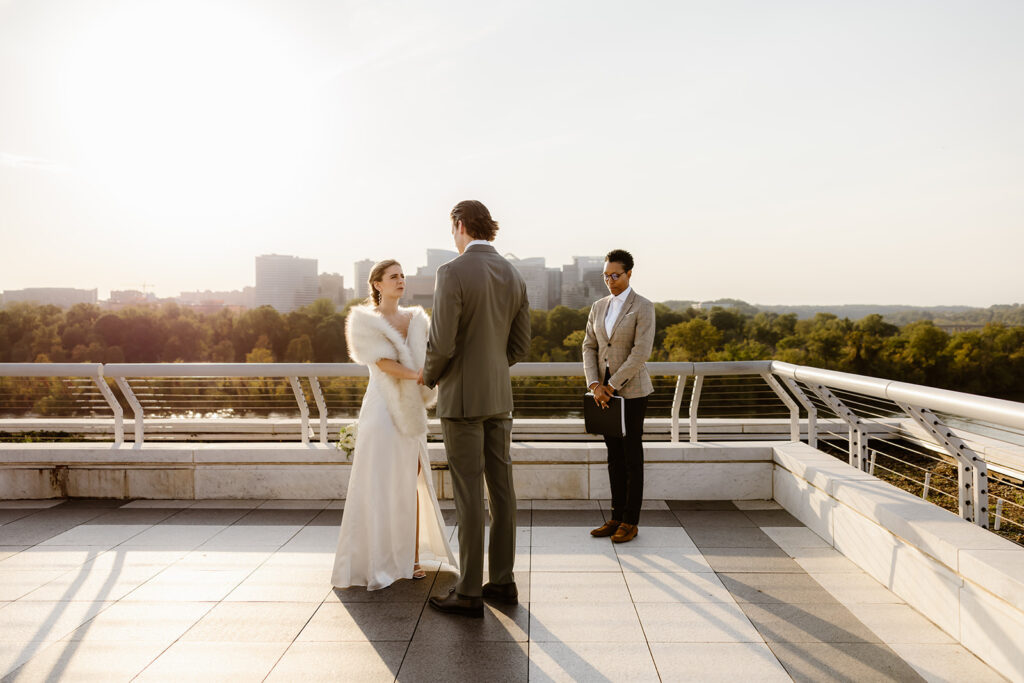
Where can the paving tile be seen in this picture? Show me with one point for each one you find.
(565, 505)
(252, 622)
(717, 662)
(683, 587)
(263, 517)
(773, 518)
(639, 559)
(336, 505)
(501, 623)
(707, 622)
(403, 590)
(328, 517)
(591, 662)
(432, 661)
(48, 558)
(593, 622)
(187, 661)
(17, 583)
(694, 518)
(273, 536)
(134, 516)
(568, 519)
(578, 587)
(86, 661)
(7, 516)
(600, 558)
(7, 551)
(45, 524)
(294, 505)
(150, 622)
(756, 505)
(789, 538)
(105, 536)
(899, 624)
(319, 538)
(197, 514)
(762, 587)
(661, 537)
(30, 504)
(229, 504)
(446, 580)
(362, 621)
(26, 621)
(729, 537)
(814, 662)
(701, 505)
(284, 584)
(15, 653)
(856, 588)
(658, 518)
(807, 623)
(241, 558)
(91, 503)
(325, 662)
(174, 536)
(170, 504)
(192, 585)
(750, 560)
(949, 663)
(824, 561)
(95, 582)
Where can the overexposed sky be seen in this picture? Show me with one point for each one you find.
(777, 152)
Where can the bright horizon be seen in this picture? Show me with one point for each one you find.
(780, 153)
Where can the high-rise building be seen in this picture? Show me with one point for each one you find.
(554, 287)
(583, 281)
(285, 283)
(362, 272)
(435, 259)
(332, 286)
(65, 297)
(535, 273)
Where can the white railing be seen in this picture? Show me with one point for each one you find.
(879, 416)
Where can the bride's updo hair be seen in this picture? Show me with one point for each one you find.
(377, 275)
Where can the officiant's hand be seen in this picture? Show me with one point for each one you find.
(602, 395)
(419, 377)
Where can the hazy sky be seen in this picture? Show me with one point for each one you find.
(777, 152)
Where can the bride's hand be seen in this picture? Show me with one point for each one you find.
(419, 377)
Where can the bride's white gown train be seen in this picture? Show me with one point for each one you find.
(378, 527)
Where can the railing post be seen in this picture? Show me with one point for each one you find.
(677, 402)
(857, 438)
(300, 398)
(812, 411)
(321, 406)
(698, 383)
(972, 471)
(101, 384)
(794, 411)
(133, 401)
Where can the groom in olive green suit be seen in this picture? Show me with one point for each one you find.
(480, 326)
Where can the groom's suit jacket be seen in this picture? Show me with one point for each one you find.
(626, 351)
(479, 327)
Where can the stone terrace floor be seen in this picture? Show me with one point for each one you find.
(240, 590)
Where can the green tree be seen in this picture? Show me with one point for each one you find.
(693, 340)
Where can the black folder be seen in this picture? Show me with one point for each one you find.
(610, 421)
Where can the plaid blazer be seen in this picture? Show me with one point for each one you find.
(625, 353)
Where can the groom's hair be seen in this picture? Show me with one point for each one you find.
(620, 256)
(476, 219)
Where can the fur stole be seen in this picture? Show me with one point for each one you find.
(370, 338)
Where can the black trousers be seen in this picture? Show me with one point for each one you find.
(626, 464)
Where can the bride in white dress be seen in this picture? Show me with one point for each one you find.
(391, 514)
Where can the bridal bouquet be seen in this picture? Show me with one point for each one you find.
(347, 439)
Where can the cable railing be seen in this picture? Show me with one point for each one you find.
(960, 451)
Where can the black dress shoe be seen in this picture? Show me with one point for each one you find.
(459, 604)
(506, 593)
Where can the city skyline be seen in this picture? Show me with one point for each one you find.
(786, 152)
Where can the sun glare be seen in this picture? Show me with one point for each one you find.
(191, 109)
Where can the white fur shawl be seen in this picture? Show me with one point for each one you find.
(370, 338)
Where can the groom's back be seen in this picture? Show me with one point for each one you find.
(492, 332)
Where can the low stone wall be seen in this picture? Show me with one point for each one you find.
(967, 580)
(543, 470)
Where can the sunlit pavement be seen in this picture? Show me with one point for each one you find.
(240, 590)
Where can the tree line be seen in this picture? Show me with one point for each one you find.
(987, 361)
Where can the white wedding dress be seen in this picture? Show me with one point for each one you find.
(378, 526)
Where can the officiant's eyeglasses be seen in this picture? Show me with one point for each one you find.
(614, 277)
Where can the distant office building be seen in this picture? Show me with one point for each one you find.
(435, 259)
(65, 297)
(554, 287)
(583, 281)
(535, 273)
(362, 272)
(130, 296)
(332, 286)
(285, 283)
(419, 290)
(236, 298)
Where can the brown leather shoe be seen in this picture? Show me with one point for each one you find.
(505, 593)
(625, 533)
(459, 604)
(606, 529)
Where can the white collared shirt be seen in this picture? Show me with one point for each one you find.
(479, 242)
(614, 307)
